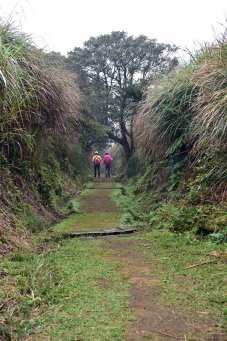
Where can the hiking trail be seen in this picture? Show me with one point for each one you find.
(112, 282)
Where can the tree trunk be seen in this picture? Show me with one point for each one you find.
(127, 149)
(123, 141)
(126, 139)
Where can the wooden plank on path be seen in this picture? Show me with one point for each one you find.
(102, 232)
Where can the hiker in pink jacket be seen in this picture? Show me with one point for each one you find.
(107, 162)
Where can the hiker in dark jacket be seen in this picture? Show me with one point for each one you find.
(96, 162)
(107, 160)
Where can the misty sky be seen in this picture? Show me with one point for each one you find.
(62, 25)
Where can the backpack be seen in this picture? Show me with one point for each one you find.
(107, 160)
(97, 160)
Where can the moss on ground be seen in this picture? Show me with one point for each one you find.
(89, 221)
(96, 210)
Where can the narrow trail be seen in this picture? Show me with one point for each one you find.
(154, 319)
(133, 300)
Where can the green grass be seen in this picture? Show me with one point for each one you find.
(74, 293)
(97, 210)
(95, 193)
(204, 287)
(102, 184)
(91, 302)
(77, 291)
(80, 222)
(130, 208)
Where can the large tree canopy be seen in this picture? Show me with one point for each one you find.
(113, 69)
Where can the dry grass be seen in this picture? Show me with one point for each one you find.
(34, 95)
(165, 114)
(185, 113)
(39, 127)
(209, 126)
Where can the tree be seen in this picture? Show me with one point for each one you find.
(113, 70)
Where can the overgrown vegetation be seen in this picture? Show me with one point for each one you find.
(189, 269)
(178, 176)
(40, 152)
(181, 145)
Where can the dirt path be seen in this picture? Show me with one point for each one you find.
(154, 319)
(104, 289)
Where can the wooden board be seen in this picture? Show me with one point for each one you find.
(102, 232)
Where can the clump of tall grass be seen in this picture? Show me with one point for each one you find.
(209, 125)
(39, 125)
(36, 97)
(184, 115)
(165, 114)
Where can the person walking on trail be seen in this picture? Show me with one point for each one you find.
(107, 160)
(96, 162)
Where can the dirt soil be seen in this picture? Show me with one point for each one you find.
(154, 319)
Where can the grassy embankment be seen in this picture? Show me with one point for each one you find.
(181, 147)
(40, 152)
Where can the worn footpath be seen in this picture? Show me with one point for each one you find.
(111, 288)
(153, 318)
